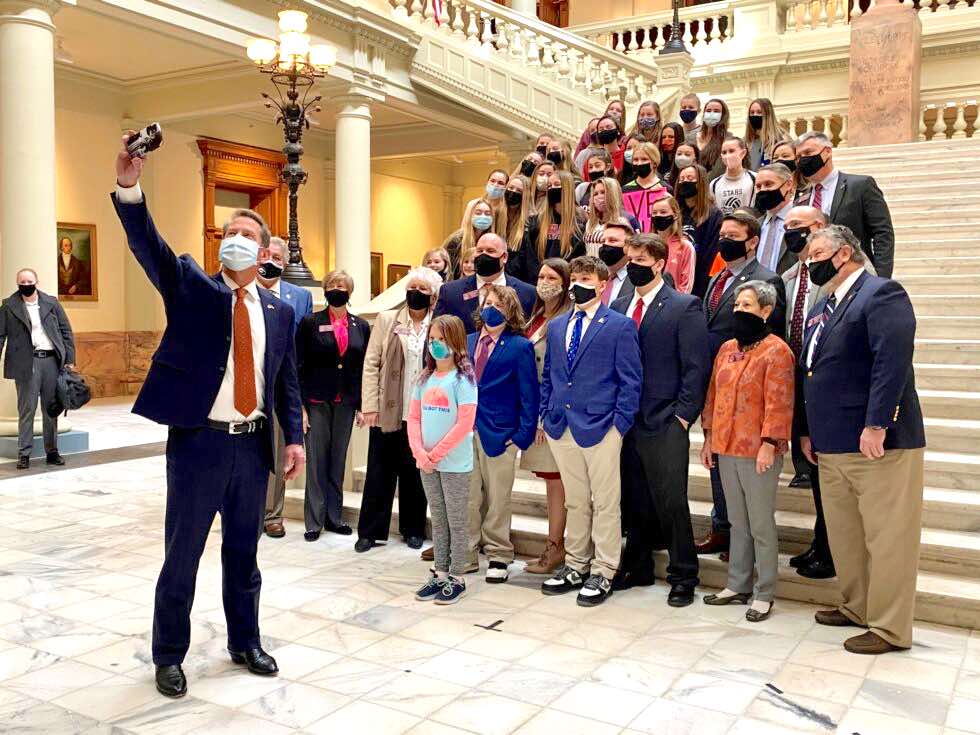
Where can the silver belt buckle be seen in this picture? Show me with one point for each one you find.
(239, 428)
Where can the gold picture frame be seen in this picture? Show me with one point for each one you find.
(78, 274)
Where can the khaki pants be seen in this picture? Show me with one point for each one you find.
(592, 490)
(275, 494)
(491, 484)
(874, 522)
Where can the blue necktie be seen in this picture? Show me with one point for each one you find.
(828, 311)
(576, 337)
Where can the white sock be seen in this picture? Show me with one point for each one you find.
(761, 606)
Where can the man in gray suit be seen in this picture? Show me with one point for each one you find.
(39, 344)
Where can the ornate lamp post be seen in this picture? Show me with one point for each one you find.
(294, 66)
(675, 44)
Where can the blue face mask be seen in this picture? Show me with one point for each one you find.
(439, 349)
(494, 191)
(628, 156)
(482, 222)
(492, 316)
(238, 253)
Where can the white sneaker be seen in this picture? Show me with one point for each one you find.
(497, 572)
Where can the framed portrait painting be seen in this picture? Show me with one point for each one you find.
(377, 270)
(77, 262)
(396, 272)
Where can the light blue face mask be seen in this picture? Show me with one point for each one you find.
(439, 349)
(494, 191)
(628, 156)
(482, 222)
(238, 253)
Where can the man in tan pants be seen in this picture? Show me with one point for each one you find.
(861, 424)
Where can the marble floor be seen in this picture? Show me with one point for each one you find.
(80, 550)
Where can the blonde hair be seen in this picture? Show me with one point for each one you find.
(771, 134)
(655, 137)
(566, 155)
(470, 236)
(569, 222)
(338, 276)
(514, 234)
(651, 151)
(614, 203)
(676, 228)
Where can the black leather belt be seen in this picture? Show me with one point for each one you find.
(43, 353)
(237, 427)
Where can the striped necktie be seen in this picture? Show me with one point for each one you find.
(828, 311)
(576, 337)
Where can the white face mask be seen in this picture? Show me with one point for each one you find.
(711, 118)
(683, 160)
(237, 253)
(542, 183)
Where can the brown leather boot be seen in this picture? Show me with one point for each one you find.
(551, 558)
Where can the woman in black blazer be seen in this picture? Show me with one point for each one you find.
(330, 347)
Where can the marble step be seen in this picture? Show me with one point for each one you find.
(925, 190)
(940, 598)
(950, 404)
(936, 249)
(929, 216)
(938, 195)
(948, 351)
(947, 327)
(959, 284)
(911, 264)
(946, 376)
(955, 305)
(953, 435)
(951, 173)
(927, 225)
(898, 153)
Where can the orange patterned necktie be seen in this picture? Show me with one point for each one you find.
(245, 401)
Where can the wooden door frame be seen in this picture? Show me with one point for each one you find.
(244, 168)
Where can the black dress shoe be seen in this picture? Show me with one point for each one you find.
(681, 595)
(311, 535)
(802, 559)
(23, 463)
(364, 544)
(817, 569)
(627, 578)
(171, 681)
(800, 479)
(55, 458)
(414, 542)
(343, 529)
(258, 661)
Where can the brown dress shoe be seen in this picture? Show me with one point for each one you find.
(713, 543)
(835, 618)
(870, 644)
(428, 554)
(551, 558)
(275, 529)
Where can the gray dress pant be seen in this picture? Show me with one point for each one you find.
(326, 459)
(43, 383)
(751, 500)
(275, 494)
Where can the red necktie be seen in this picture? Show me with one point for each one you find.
(245, 401)
(607, 291)
(482, 356)
(818, 196)
(638, 313)
(796, 324)
(718, 290)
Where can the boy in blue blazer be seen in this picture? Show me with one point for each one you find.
(590, 394)
(506, 420)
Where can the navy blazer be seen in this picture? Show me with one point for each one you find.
(602, 388)
(676, 359)
(186, 371)
(861, 373)
(721, 323)
(297, 297)
(460, 298)
(507, 408)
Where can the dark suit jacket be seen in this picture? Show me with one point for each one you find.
(860, 205)
(76, 274)
(15, 332)
(507, 409)
(460, 298)
(720, 322)
(676, 359)
(323, 372)
(188, 366)
(861, 373)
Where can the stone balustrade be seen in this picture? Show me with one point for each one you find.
(949, 120)
(832, 123)
(807, 15)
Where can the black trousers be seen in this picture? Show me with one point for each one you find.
(211, 472)
(326, 458)
(655, 508)
(390, 462)
(821, 546)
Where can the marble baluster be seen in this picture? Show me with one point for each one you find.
(922, 123)
(400, 10)
(959, 124)
(939, 124)
(702, 35)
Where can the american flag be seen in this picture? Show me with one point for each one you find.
(437, 10)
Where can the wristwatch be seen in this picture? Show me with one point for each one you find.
(877, 428)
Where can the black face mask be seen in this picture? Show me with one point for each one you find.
(554, 195)
(789, 163)
(755, 121)
(662, 222)
(642, 170)
(337, 297)
(796, 238)
(610, 254)
(766, 199)
(542, 150)
(822, 271)
(731, 250)
(556, 157)
(270, 270)
(26, 289)
(640, 275)
(417, 300)
(486, 265)
(593, 138)
(809, 165)
(527, 167)
(748, 328)
(596, 175)
(687, 189)
(688, 116)
(583, 294)
(513, 198)
(607, 136)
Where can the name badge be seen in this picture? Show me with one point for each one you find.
(471, 294)
(326, 327)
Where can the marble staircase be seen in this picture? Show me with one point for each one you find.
(930, 190)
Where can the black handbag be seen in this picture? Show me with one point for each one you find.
(71, 395)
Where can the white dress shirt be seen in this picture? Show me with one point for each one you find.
(839, 293)
(276, 288)
(66, 259)
(586, 321)
(774, 225)
(618, 279)
(413, 349)
(500, 280)
(647, 300)
(39, 339)
(829, 189)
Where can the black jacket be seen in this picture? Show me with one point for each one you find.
(527, 263)
(721, 321)
(15, 332)
(323, 373)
